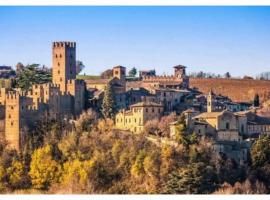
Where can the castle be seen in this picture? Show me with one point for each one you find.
(64, 98)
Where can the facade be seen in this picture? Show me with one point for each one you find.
(63, 98)
(118, 81)
(134, 119)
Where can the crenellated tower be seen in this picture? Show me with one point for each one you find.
(64, 63)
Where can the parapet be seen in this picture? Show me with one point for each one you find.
(64, 44)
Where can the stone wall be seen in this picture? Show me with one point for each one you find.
(236, 89)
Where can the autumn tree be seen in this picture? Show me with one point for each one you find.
(44, 171)
(106, 74)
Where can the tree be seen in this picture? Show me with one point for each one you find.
(256, 101)
(79, 66)
(107, 74)
(195, 178)
(17, 175)
(132, 72)
(260, 151)
(44, 171)
(30, 75)
(108, 104)
(227, 75)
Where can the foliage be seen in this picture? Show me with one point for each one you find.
(132, 72)
(256, 101)
(242, 188)
(79, 66)
(195, 178)
(108, 104)
(32, 74)
(43, 169)
(106, 74)
(260, 151)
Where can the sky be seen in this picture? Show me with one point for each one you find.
(209, 39)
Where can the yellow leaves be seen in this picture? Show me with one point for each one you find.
(105, 125)
(15, 172)
(43, 169)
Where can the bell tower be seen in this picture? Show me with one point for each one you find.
(64, 63)
(210, 102)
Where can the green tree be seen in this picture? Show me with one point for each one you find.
(195, 178)
(108, 104)
(260, 151)
(132, 72)
(256, 101)
(43, 169)
(32, 74)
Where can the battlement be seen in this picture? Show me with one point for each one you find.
(64, 44)
(12, 95)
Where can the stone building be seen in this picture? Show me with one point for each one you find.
(63, 98)
(139, 113)
(118, 81)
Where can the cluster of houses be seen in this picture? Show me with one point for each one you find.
(232, 126)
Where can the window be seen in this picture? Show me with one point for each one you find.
(146, 110)
(56, 55)
(60, 79)
(199, 131)
(227, 125)
(58, 64)
(70, 72)
(9, 116)
(11, 123)
(153, 109)
(159, 110)
(58, 71)
(60, 55)
(135, 120)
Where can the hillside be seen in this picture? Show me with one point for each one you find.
(236, 89)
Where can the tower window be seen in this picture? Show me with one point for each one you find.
(11, 123)
(56, 55)
(60, 55)
(227, 125)
(58, 71)
(58, 64)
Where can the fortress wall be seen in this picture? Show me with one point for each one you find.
(236, 89)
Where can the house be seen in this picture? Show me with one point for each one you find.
(136, 117)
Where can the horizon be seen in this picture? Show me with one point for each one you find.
(214, 39)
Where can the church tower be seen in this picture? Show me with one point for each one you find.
(210, 102)
(64, 63)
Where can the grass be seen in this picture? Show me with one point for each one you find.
(85, 77)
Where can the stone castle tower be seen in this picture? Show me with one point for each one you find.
(210, 102)
(64, 98)
(64, 63)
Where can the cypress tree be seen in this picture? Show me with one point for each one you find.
(108, 104)
(256, 102)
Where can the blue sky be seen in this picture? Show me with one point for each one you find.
(211, 39)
